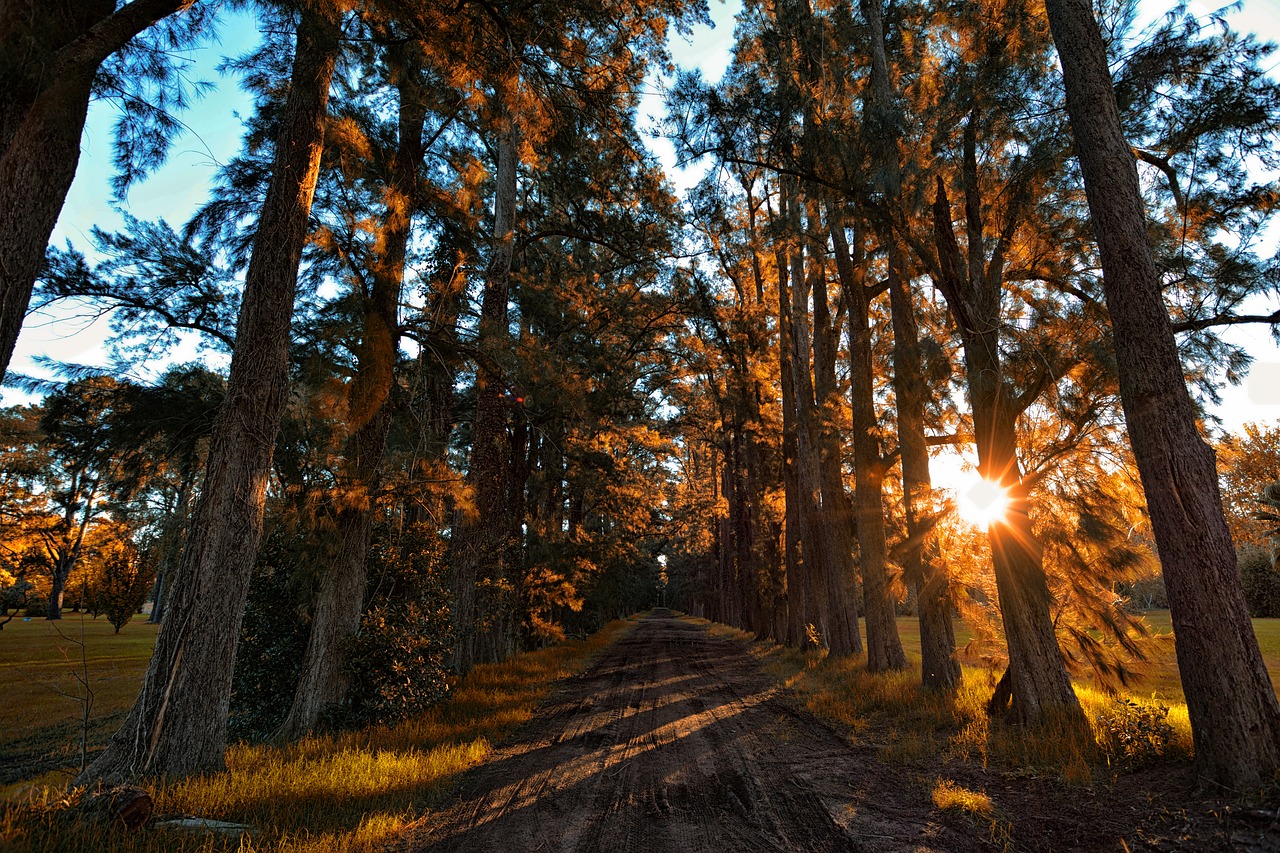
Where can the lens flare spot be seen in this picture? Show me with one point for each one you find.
(982, 502)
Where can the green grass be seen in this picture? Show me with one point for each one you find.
(41, 715)
(351, 791)
(1160, 677)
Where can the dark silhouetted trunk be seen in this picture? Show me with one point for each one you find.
(52, 52)
(339, 602)
(178, 725)
(482, 609)
(793, 565)
(829, 599)
(884, 647)
(1235, 719)
(921, 562)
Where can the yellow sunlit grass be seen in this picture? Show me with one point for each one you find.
(910, 725)
(950, 795)
(350, 791)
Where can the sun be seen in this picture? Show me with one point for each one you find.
(981, 502)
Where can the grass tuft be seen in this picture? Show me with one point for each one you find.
(950, 795)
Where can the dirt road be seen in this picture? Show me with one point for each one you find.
(675, 741)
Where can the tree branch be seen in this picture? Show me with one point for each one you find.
(1226, 320)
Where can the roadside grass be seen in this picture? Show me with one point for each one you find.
(909, 725)
(348, 791)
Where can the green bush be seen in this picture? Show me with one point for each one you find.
(401, 655)
(273, 637)
(1261, 581)
(121, 589)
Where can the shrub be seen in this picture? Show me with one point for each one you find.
(1261, 581)
(1134, 732)
(401, 654)
(273, 637)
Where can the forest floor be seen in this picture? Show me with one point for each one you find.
(676, 739)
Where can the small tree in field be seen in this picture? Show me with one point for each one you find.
(123, 584)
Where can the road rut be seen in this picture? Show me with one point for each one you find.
(674, 740)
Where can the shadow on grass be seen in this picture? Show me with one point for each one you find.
(347, 791)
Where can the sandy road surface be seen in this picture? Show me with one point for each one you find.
(673, 740)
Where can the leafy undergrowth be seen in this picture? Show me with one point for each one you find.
(910, 725)
(348, 791)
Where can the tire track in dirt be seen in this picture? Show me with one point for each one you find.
(675, 741)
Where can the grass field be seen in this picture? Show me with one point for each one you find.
(41, 714)
(349, 791)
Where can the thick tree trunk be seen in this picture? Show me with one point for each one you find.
(339, 602)
(837, 508)
(1037, 673)
(1235, 719)
(53, 50)
(884, 646)
(57, 589)
(178, 725)
(482, 615)
(923, 565)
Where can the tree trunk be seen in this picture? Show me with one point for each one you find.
(921, 562)
(178, 725)
(57, 589)
(335, 617)
(830, 603)
(54, 50)
(793, 565)
(884, 646)
(1037, 673)
(1235, 719)
(482, 604)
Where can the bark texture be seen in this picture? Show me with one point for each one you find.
(922, 564)
(486, 631)
(178, 725)
(339, 602)
(884, 647)
(1037, 675)
(1235, 719)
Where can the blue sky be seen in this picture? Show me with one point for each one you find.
(175, 191)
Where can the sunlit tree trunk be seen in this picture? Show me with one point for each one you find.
(1235, 719)
(339, 602)
(1036, 682)
(178, 725)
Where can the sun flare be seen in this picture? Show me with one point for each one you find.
(981, 502)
